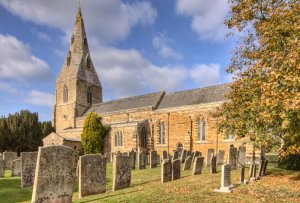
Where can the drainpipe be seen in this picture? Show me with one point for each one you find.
(168, 133)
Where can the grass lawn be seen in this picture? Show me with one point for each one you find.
(278, 186)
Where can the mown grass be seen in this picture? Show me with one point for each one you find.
(278, 186)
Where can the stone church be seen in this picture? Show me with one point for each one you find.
(160, 121)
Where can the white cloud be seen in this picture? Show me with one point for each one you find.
(207, 17)
(43, 36)
(40, 98)
(17, 62)
(106, 21)
(206, 74)
(164, 50)
(6, 87)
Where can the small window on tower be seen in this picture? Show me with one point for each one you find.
(65, 94)
(69, 59)
(88, 61)
(89, 96)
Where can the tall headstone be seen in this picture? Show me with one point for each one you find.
(166, 171)
(16, 167)
(28, 165)
(241, 157)
(8, 157)
(265, 167)
(198, 165)
(242, 174)
(2, 168)
(175, 155)
(92, 174)
(262, 152)
(153, 159)
(213, 166)
(196, 154)
(121, 172)
(183, 156)
(55, 174)
(132, 155)
(142, 159)
(220, 157)
(252, 172)
(175, 169)
(210, 153)
(225, 179)
(187, 163)
(260, 168)
(232, 157)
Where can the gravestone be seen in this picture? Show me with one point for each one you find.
(153, 159)
(164, 155)
(260, 168)
(158, 159)
(175, 155)
(92, 174)
(175, 169)
(198, 165)
(8, 157)
(28, 167)
(210, 153)
(16, 167)
(55, 174)
(132, 155)
(183, 156)
(166, 171)
(189, 153)
(241, 157)
(262, 152)
(142, 159)
(232, 157)
(121, 172)
(265, 167)
(213, 166)
(252, 172)
(220, 157)
(192, 155)
(196, 154)
(2, 168)
(242, 174)
(187, 163)
(225, 179)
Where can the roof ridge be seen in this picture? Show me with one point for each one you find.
(206, 87)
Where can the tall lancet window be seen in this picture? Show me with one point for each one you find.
(65, 94)
(203, 130)
(161, 139)
(69, 59)
(89, 96)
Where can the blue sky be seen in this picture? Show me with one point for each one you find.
(137, 47)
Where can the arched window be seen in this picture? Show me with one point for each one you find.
(118, 139)
(65, 94)
(199, 129)
(89, 96)
(162, 133)
(143, 138)
(203, 130)
(69, 59)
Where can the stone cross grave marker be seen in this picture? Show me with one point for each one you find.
(187, 163)
(92, 174)
(166, 170)
(28, 165)
(16, 167)
(175, 169)
(225, 179)
(153, 159)
(210, 153)
(121, 172)
(198, 165)
(55, 174)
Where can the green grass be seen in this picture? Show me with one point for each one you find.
(278, 186)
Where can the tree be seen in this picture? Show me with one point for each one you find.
(93, 134)
(264, 102)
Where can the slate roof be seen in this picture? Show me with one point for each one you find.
(195, 96)
(148, 100)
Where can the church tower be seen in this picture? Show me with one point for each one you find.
(78, 85)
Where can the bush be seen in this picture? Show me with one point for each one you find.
(291, 161)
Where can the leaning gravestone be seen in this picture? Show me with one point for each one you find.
(210, 153)
(153, 159)
(121, 172)
(265, 167)
(220, 157)
(132, 155)
(16, 167)
(2, 168)
(225, 179)
(187, 163)
(28, 166)
(196, 154)
(213, 165)
(262, 152)
(92, 174)
(232, 157)
(183, 156)
(166, 170)
(242, 157)
(198, 165)
(260, 168)
(142, 159)
(175, 169)
(8, 157)
(55, 174)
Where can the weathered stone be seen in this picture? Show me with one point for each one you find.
(92, 174)
(187, 163)
(232, 157)
(153, 159)
(175, 155)
(166, 171)
(55, 174)
(210, 153)
(28, 164)
(242, 174)
(196, 154)
(225, 179)
(198, 165)
(175, 169)
(189, 153)
(213, 165)
(252, 172)
(192, 155)
(260, 168)
(241, 157)
(121, 172)
(2, 168)
(220, 157)
(142, 159)
(265, 167)
(132, 155)
(183, 156)
(16, 167)
(8, 157)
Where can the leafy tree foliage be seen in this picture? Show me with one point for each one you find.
(92, 138)
(22, 131)
(264, 102)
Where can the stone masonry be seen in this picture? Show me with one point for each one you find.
(28, 165)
